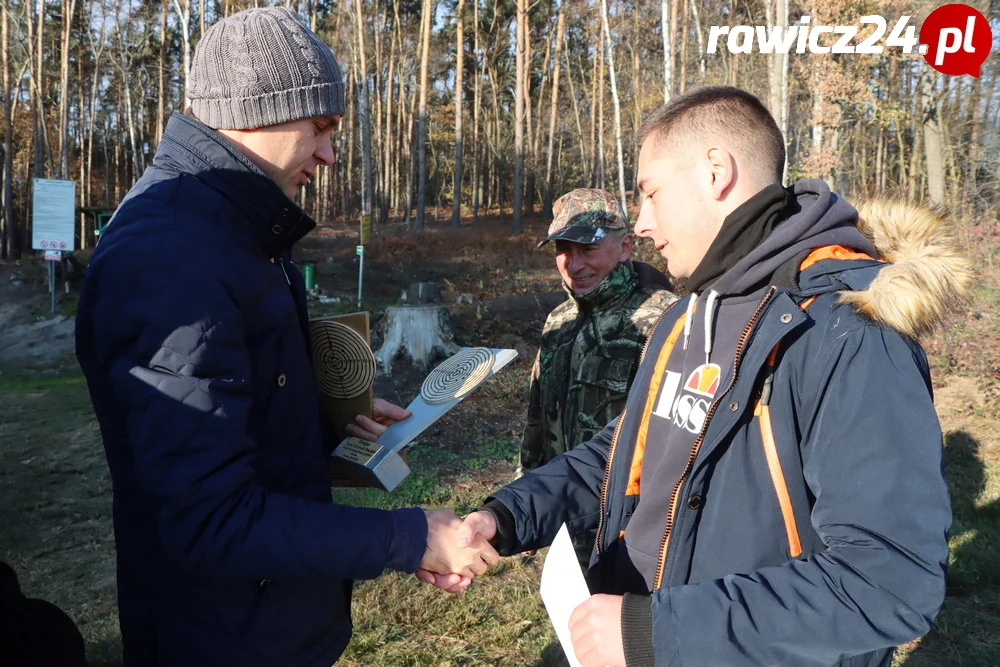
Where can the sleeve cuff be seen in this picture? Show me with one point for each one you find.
(637, 630)
(408, 541)
(506, 538)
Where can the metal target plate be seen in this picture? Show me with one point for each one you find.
(344, 364)
(457, 376)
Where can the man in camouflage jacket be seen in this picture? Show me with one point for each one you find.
(592, 342)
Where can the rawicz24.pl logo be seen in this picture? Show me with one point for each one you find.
(954, 39)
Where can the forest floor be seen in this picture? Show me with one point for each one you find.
(56, 494)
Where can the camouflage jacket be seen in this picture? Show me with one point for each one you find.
(587, 360)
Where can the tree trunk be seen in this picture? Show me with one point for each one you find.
(10, 243)
(160, 98)
(517, 225)
(68, 9)
(529, 159)
(412, 171)
(783, 120)
(930, 114)
(636, 84)
(364, 117)
(456, 210)
(477, 165)
(528, 192)
(685, 29)
(862, 161)
(614, 98)
(553, 108)
(916, 128)
(375, 99)
(974, 134)
(184, 16)
(536, 138)
(421, 147)
(668, 57)
(600, 121)
(733, 59)
(387, 145)
(81, 141)
(594, 106)
(675, 72)
(349, 164)
(775, 64)
(133, 147)
(37, 75)
(701, 41)
(576, 112)
(901, 161)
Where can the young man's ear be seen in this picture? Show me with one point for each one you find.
(722, 171)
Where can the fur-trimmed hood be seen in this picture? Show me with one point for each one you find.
(927, 279)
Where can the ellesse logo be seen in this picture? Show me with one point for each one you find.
(687, 407)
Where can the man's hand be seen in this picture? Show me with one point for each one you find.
(595, 628)
(452, 583)
(445, 555)
(385, 415)
(478, 526)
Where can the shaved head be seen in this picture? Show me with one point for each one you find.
(723, 117)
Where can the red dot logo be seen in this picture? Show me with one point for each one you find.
(957, 40)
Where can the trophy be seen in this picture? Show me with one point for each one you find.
(345, 370)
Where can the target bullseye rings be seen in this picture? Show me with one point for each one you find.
(345, 365)
(457, 376)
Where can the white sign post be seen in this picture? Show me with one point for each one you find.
(53, 222)
(361, 270)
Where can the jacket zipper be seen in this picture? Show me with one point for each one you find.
(665, 543)
(614, 439)
(281, 263)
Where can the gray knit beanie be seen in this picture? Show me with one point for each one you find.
(262, 67)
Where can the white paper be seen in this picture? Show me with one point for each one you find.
(563, 588)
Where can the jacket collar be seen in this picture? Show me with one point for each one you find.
(616, 286)
(271, 219)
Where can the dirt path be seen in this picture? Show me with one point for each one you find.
(30, 336)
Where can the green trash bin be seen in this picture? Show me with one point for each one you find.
(102, 221)
(309, 274)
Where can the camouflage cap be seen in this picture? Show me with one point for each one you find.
(585, 215)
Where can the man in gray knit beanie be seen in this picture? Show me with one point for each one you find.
(192, 330)
(272, 87)
(262, 67)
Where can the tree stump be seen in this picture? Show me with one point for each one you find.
(421, 332)
(420, 294)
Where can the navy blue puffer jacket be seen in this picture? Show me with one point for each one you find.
(192, 335)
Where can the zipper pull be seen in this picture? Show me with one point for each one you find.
(281, 263)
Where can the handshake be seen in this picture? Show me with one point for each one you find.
(457, 549)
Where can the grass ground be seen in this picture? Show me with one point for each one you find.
(56, 499)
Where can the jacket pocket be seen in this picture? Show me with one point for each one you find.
(604, 384)
(297, 618)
